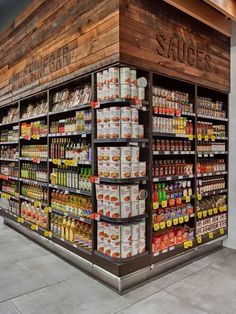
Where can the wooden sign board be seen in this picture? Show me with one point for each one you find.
(54, 41)
(158, 37)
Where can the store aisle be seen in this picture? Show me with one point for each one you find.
(34, 281)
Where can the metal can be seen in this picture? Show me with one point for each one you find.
(100, 79)
(105, 77)
(115, 114)
(115, 249)
(125, 91)
(135, 231)
(134, 115)
(126, 130)
(133, 77)
(125, 75)
(115, 130)
(114, 75)
(141, 93)
(134, 209)
(134, 131)
(100, 93)
(114, 91)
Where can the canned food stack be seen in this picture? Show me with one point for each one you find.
(210, 108)
(120, 162)
(175, 125)
(121, 82)
(119, 201)
(170, 102)
(119, 122)
(121, 241)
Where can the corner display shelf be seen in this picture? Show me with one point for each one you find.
(185, 184)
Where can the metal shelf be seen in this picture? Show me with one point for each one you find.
(32, 200)
(68, 189)
(85, 106)
(122, 220)
(34, 117)
(173, 152)
(73, 216)
(160, 134)
(82, 134)
(211, 118)
(121, 140)
(9, 143)
(34, 182)
(9, 159)
(128, 180)
(170, 178)
(218, 173)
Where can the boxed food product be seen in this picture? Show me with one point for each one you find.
(100, 153)
(115, 233)
(142, 207)
(125, 209)
(126, 154)
(134, 247)
(107, 154)
(114, 170)
(134, 190)
(115, 248)
(135, 131)
(106, 192)
(142, 169)
(126, 130)
(114, 193)
(135, 151)
(125, 193)
(100, 246)
(134, 209)
(100, 207)
(142, 229)
(126, 249)
(135, 231)
(135, 170)
(114, 153)
(100, 79)
(126, 233)
(99, 116)
(107, 247)
(99, 191)
(125, 171)
(100, 230)
(115, 210)
(142, 245)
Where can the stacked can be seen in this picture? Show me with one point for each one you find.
(122, 82)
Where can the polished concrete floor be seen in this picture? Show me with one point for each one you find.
(34, 281)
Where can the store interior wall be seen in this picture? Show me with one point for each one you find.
(9, 10)
(231, 241)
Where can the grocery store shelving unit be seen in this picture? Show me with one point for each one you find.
(147, 260)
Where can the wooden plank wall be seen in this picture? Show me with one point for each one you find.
(55, 40)
(158, 37)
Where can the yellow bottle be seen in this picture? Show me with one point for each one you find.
(63, 229)
(67, 234)
(72, 231)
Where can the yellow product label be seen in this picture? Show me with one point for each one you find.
(199, 197)
(35, 136)
(46, 233)
(204, 213)
(206, 137)
(20, 220)
(187, 199)
(213, 138)
(199, 137)
(181, 220)
(156, 227)
(155, 205)
(199, 215)
(221, 209)
(190, 137)
(215, 210)
(164, 204)
(169, 223)
(49, 234)
(211, 235)
(210, 212)
(190, 243)
(175, 221)
(37, 204)
(222, 231)
(34, 227)
(162, 225)
(199, 240)
(47, 209)
(186, 218)
(186, 244)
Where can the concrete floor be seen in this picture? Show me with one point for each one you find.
(34, 281)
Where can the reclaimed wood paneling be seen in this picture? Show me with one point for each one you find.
(56, 40)
(158, 37)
